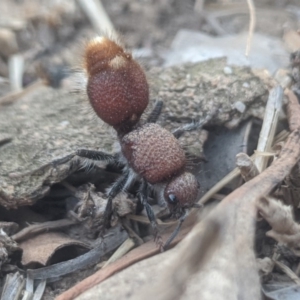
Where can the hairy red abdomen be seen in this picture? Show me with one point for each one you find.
(117, 86)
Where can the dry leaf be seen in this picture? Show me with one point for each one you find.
(41, 248)
(265, 265)
(284, 229)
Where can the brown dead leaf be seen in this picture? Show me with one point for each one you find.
(146, 250)
(41, 248)
(284, 229)
(265, 265)
(93, 203)
(123, 205)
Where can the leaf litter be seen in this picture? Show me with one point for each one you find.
(69, 202)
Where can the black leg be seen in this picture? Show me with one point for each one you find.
(63, 160)
(143, 196)
(155, 112)
(117, 187)
(84, 153)
(194, 125)
(176, 230)
(96, 155)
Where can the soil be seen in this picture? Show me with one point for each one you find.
(149, 26)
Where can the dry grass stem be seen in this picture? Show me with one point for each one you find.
(288, 272)
(267, 133)
(218, 186)
(121, 251)
(13, 286)
(251, 25)
(29, 288)
(98, 17)
(265, 141)
(16, 70)
(145, 220)
(38, 294)
(107, 244)
(14, 96)
(144, 251)
(282, 136)
(43, 227)
(137, 239)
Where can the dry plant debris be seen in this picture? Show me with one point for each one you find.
(241, 204)
(138, 254)
(114, 237)
(42, 247)
(284, 228)
(233, 260)
(39, 124)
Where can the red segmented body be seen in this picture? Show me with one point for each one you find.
(118, 92)
(154, 163)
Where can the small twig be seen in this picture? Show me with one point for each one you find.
(269, 126)
(27, 296)
(98, 17)
(88, 259)
(16, 70)
(145, 220)
(38, 228)
(14, 284)
(247, 167)
(293, 110)
(28, 292)
(218, 197)
(251, 25)
(146, 250)
(282, 136)
(246, 136)
(39, 292)
(131, 233)
(29, 285)
(287, 271)
(13, 96)
(298, 270)
(121, 251)
(219, 185)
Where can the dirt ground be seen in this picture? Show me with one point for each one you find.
(45, 116)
